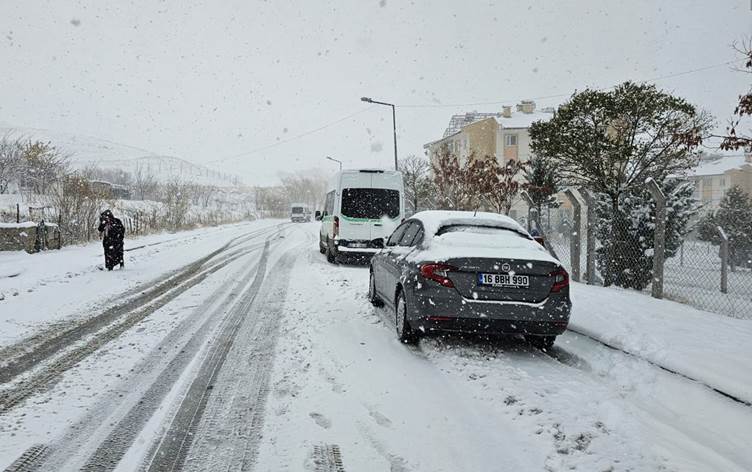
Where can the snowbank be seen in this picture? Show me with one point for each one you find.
(713, 349)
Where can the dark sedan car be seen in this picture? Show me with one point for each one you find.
(454, 271)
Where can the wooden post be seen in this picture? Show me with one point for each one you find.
(659, 249)
(574, 241)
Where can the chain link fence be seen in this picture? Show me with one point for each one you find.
(711, 277)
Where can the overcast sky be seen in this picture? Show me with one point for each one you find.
(240, 81)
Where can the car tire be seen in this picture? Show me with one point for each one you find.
(405, 333)
(541, 342)
(372, 297)
(322, 248)
(330, 258)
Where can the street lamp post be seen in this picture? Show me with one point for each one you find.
(394, 125)
(335, 160)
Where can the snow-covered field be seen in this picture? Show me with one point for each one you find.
(240, 348)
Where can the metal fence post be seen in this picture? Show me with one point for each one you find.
(590, 236)
(659, 246)
(574, 241)
(530, 211)
(724, 260)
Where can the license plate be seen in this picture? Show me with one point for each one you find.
(504, 280)
(358, 245)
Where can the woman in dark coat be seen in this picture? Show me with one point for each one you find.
(113, 233)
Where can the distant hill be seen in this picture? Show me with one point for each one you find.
(87, 151)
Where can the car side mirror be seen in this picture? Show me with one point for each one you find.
(318, 216)
(540, 240)
(378, 243)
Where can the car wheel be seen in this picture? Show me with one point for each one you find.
(541, 342)
(322, 248)
(329, 254)
(404, 332)
(372, 297)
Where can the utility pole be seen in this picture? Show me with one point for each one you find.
(394, 124)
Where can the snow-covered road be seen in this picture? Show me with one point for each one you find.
(240, 348)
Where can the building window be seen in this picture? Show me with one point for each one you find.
(723, 181)
(510, 139)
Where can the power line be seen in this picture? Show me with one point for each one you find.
(499, 102)
(291, 138)
(456, 105)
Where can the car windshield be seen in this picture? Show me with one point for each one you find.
(297, 209)
(370, 203)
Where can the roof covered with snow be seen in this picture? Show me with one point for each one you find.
(720, 165)
(433, 220)
(518, 119)
(524, 120)
(513, 244)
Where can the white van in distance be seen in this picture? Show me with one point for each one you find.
(300, 213)
(362, 208)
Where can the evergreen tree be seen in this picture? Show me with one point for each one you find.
(734, 215)
(625, 257)
(542, 178)
(611, 142)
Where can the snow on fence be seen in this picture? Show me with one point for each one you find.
(698, 273)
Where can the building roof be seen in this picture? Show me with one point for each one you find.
(719, 166)
(457, 122)
(518, 119)
(524, 120)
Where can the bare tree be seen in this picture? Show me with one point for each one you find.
(145, 184)
(458, 185)
(735, 138)
(304, 187)
(77, 205)
(501, 184)
(415, 173)
(11, 162)
(42, 166)
(176, 196)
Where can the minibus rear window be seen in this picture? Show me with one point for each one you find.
(372, 203)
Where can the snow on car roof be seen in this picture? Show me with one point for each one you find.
(434, 220)
(452, 245)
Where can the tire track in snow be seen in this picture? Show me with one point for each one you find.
(46, 376)
(43, 379)
(327, 458)
(112, 449)
(226, 432)
(29, 459)
(156, 375)
(28, 353)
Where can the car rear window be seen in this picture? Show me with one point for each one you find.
(297, 209)
(371, 203)
(492, 230)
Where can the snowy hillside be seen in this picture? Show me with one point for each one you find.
(87, 151)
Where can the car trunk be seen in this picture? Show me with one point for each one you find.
(466, 279)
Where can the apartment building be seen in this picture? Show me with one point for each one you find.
(501, 134)
(717, 174)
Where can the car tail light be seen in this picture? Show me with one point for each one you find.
(335, 231)
(438, 273)
(561, 279)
